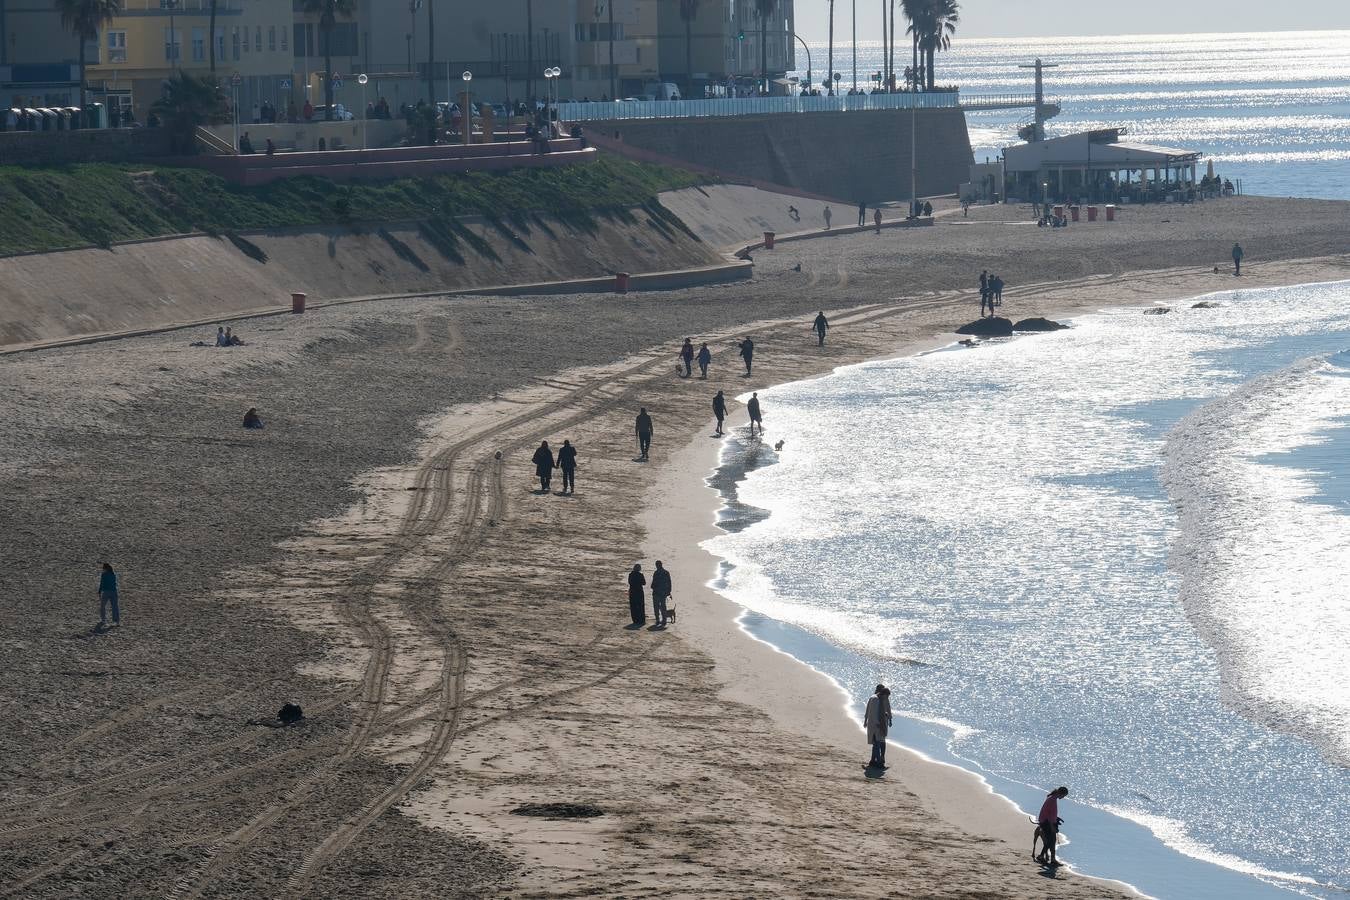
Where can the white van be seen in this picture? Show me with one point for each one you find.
(663, 90)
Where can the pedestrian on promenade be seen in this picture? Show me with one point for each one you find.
(1047, 826)
(820, 326)
(876, 219)
(748, 354)
(107, 596)
(660, 594)
(567, 462)
(687, 357)
(862, 214)
(756, 418)
(543, 466)
(637, 596)
(1237, 259)
(644, 433)
(877, 721)
(704, 360)
(719, 410)
(828, 215)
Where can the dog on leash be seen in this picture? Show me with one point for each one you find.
(670, 611)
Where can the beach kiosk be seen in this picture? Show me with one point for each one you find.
(1099, 167)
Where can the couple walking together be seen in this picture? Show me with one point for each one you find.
(637, 600)
(544, 464)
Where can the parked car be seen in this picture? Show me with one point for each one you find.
(340, 113)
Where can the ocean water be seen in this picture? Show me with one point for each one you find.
(1272, 110)
(1115, 557)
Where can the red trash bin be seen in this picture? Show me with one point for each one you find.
(1059, 212)
(1073, 213)
(297, 302)
(621, 282)
(1110, 212)
(1092, 213)
(768, 240)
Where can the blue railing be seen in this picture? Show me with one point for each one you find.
(606, 111)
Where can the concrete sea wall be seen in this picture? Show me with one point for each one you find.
(850, 156)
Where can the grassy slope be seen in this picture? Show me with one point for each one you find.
(84, 205)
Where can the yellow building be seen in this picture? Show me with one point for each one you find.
(151, 39)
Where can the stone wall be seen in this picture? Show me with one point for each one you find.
(49, 148)
(850, 156)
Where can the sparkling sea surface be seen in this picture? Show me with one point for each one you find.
(1113, 557)
(1272, 110)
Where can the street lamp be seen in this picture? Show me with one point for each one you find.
(808, 58)
(465, 115)
(551, 76)
(365, 114)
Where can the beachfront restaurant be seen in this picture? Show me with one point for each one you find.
(1099, 167)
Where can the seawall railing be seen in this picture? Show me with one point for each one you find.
(606, 111)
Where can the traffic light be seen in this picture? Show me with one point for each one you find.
(740, 35)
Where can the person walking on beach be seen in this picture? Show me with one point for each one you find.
(862, 214)
(637, 597)
(687, 357)
(984, 289)
(660, 594)
(876, 219)
(1237, 259)
(820, 326)
(995, 293)
(748, 354)
(1047, 823)
(756, 418)
(107, 596)
(877, 721)
(567, 462)
(543, 466)
(704, 360)
(828, 215)
(719, 410)
(644, 433)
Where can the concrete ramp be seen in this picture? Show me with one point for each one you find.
(729, 216)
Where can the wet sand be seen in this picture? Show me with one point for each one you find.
(458, 641)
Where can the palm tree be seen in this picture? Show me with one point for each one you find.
(84, 19)
(917, 12)
(211, 38)
(328, 12)
(829, 67)
(689, 12)
(941, 21)
(190, 101)
(764, 9)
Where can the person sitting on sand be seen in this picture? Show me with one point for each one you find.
(877, 720)
(794, 214)
(234, 340)
(252, 419)
(756, 418)
(1047, 823)
(704, 360)
(220, 337)
(543, 466)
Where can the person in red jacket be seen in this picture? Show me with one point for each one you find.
(1047, 825)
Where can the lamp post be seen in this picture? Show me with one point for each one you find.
(808, 57)
(550, 74)
(365, 115)
(465, 114)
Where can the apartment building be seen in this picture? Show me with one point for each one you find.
(38, 58)
(150, 40)
(717, 52)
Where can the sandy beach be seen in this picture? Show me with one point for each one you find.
(458, 642)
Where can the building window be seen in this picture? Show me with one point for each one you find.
(284, 45)
(272, 37)
(257, 38)
(341, 40)
(198, 44)
(220, 43)
(234, 42)
(171, 44)
(117, 47)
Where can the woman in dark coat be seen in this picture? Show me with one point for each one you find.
(637, 597)
(543, 466)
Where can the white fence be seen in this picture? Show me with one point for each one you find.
(606, 111)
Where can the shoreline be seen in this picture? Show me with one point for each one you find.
(757, 671)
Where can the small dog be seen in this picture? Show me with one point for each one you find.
(670, 612)
(778, 447)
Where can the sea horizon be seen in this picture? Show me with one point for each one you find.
(781, 539)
